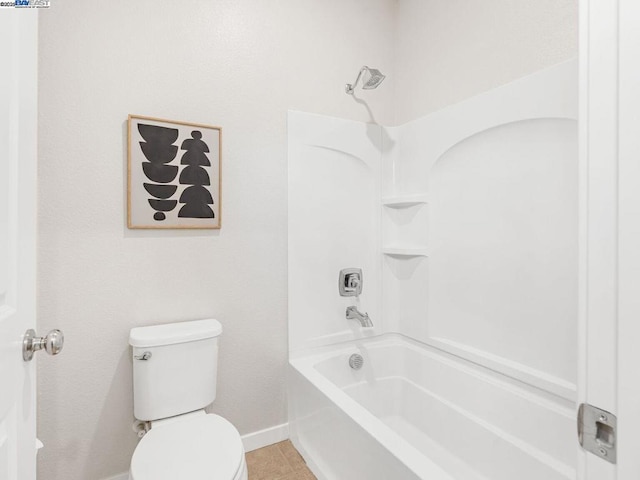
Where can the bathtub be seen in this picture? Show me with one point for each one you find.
(414, 412)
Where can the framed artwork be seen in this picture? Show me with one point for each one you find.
(174, 174)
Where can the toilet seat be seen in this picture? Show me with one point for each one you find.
(202, 447)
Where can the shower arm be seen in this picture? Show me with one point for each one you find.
(350, 87)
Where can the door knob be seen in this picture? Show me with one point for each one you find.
(52, 343)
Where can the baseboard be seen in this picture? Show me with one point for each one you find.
(268, 436)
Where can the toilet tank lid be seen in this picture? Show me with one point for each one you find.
(172, 333)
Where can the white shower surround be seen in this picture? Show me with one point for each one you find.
(376, 210)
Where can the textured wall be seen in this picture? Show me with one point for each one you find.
(236, 63)
(449, 50)
(240, 64)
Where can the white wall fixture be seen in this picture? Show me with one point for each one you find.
(503, 237)
(409, 413)
(334, 193)
(499, 286)
(478, 263)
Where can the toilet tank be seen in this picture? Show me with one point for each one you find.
(175, 368)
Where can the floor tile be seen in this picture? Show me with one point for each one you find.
(299, 475)
(267, 463)
(295, 460)
(280, 461)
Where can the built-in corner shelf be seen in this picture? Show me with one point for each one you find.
(405, 251)
(404, 201)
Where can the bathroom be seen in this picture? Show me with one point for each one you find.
(267, 72)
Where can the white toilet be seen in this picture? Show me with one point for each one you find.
(174, 378)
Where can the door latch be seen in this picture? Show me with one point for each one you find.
(597, 430)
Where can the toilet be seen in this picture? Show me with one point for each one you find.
(174, 378)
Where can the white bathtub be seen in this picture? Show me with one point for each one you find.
(413, 412)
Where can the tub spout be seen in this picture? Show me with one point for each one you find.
(363, 318)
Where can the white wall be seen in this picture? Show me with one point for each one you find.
(240, 64)
(236, 63)
(449, 50)
(503, 225)
(499, 174)
(334, 200)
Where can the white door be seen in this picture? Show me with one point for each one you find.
(610, 154)
(629, 240)
(18, 122)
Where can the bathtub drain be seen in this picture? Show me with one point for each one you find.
(356, 361)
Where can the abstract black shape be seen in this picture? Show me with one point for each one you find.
(192, 175)
(160, 173)
(196, 198)
(160, 191)
(159, 150)
(163, 205)
(157, 153)
(196, 193)
(156, 134)
(196, 201)
(195, 150)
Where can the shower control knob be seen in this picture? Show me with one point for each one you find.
(52, 343)
(350, 282)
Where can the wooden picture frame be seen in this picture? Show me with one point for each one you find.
(174, 174)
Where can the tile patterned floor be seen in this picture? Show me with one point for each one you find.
(280, 461)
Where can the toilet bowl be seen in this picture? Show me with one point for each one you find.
(201, 447)
(174, 378)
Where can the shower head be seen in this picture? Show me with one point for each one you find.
(373, 78)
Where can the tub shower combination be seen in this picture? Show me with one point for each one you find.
(412, 412)
(447, 351)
